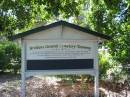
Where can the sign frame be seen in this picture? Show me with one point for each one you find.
(78, 32)
(26, 73)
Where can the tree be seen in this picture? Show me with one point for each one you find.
(111, 18)
(21, 14)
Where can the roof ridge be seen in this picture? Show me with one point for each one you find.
(61, 22)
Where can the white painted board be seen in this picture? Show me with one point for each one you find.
(59, 49)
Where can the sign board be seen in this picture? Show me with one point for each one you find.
(60, 48)
(59, 54)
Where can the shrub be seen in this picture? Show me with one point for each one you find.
(9, 57)
(3, 58)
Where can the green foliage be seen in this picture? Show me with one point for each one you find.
(104, 64)
(3, 59)
(110, 69)
(111, 18)
(21, 14)
(9, 57)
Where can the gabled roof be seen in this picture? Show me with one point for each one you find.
(64, 23)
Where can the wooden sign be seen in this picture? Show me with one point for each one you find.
(60, 48)
(59, 54)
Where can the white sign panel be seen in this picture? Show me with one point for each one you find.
(59, 49)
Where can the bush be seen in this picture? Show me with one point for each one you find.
(9, 57)
(3, 58)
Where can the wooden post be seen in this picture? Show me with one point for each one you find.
(96, 76)
(96, 87)
(23, 63)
